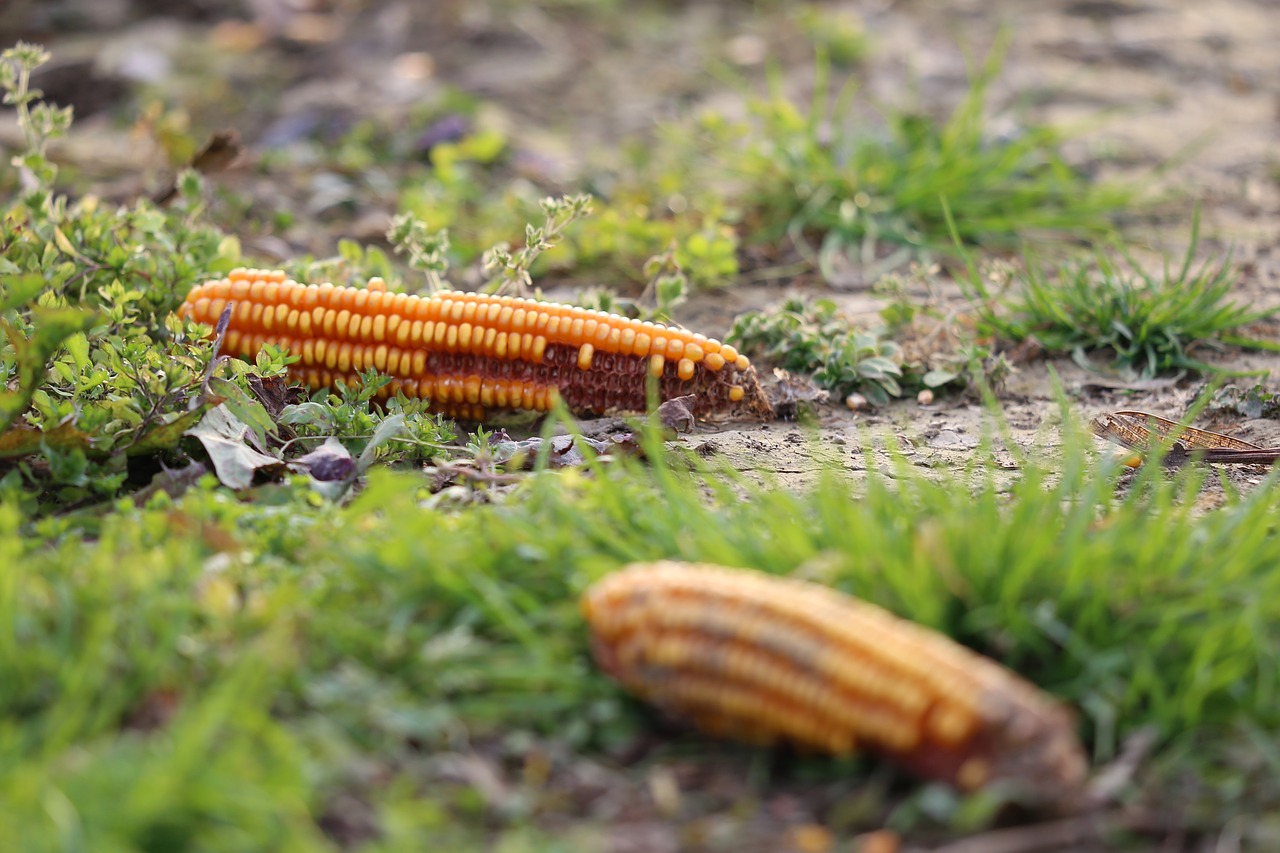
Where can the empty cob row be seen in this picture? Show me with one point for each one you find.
(765, 659)
(471, 353)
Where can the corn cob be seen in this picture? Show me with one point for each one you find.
(764, 659)
(469, 353)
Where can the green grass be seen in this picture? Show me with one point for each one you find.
(1108, 304)
(296, 642)
(864, 195)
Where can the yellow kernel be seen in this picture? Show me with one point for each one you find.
(656, 364)
(714, 361)
(626, 341)
(513, 345)
(464, 334)
(379, 328)
(469, 312)
(585, 352)
(380, 357)
(736, 393)
(518, 319)
(451, 336)
(729, 353)
(742, 362)
(641, 346)
(353, 325)
(575, 329)
(490, 335)
(456, 313)
(685, 369)
(419, 362)
(271, 292)
(693, 352)
(539, 349)
(245, 311)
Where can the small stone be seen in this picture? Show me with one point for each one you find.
(856, 402)
(925, 397)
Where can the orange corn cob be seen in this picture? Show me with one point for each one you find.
(469, 353)
(743, 654)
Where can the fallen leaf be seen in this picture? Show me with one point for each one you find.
(235, 462)
(329, 462)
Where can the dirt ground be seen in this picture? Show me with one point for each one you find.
(1182, 95)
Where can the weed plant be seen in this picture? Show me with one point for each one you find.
(866, 196)
(811, 337)
(1107, 303)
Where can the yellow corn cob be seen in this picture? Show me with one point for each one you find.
(743, 654)
(468, 353)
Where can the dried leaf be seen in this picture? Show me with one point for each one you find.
(235, 462)
(330, 462)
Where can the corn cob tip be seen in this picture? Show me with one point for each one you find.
(743, 654)
(470, 353)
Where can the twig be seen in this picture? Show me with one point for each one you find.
(214, 359)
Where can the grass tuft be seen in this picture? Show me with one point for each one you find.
(1107, 303)
(862, 195)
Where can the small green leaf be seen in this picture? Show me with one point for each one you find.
(390, 428)
(18, 291)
